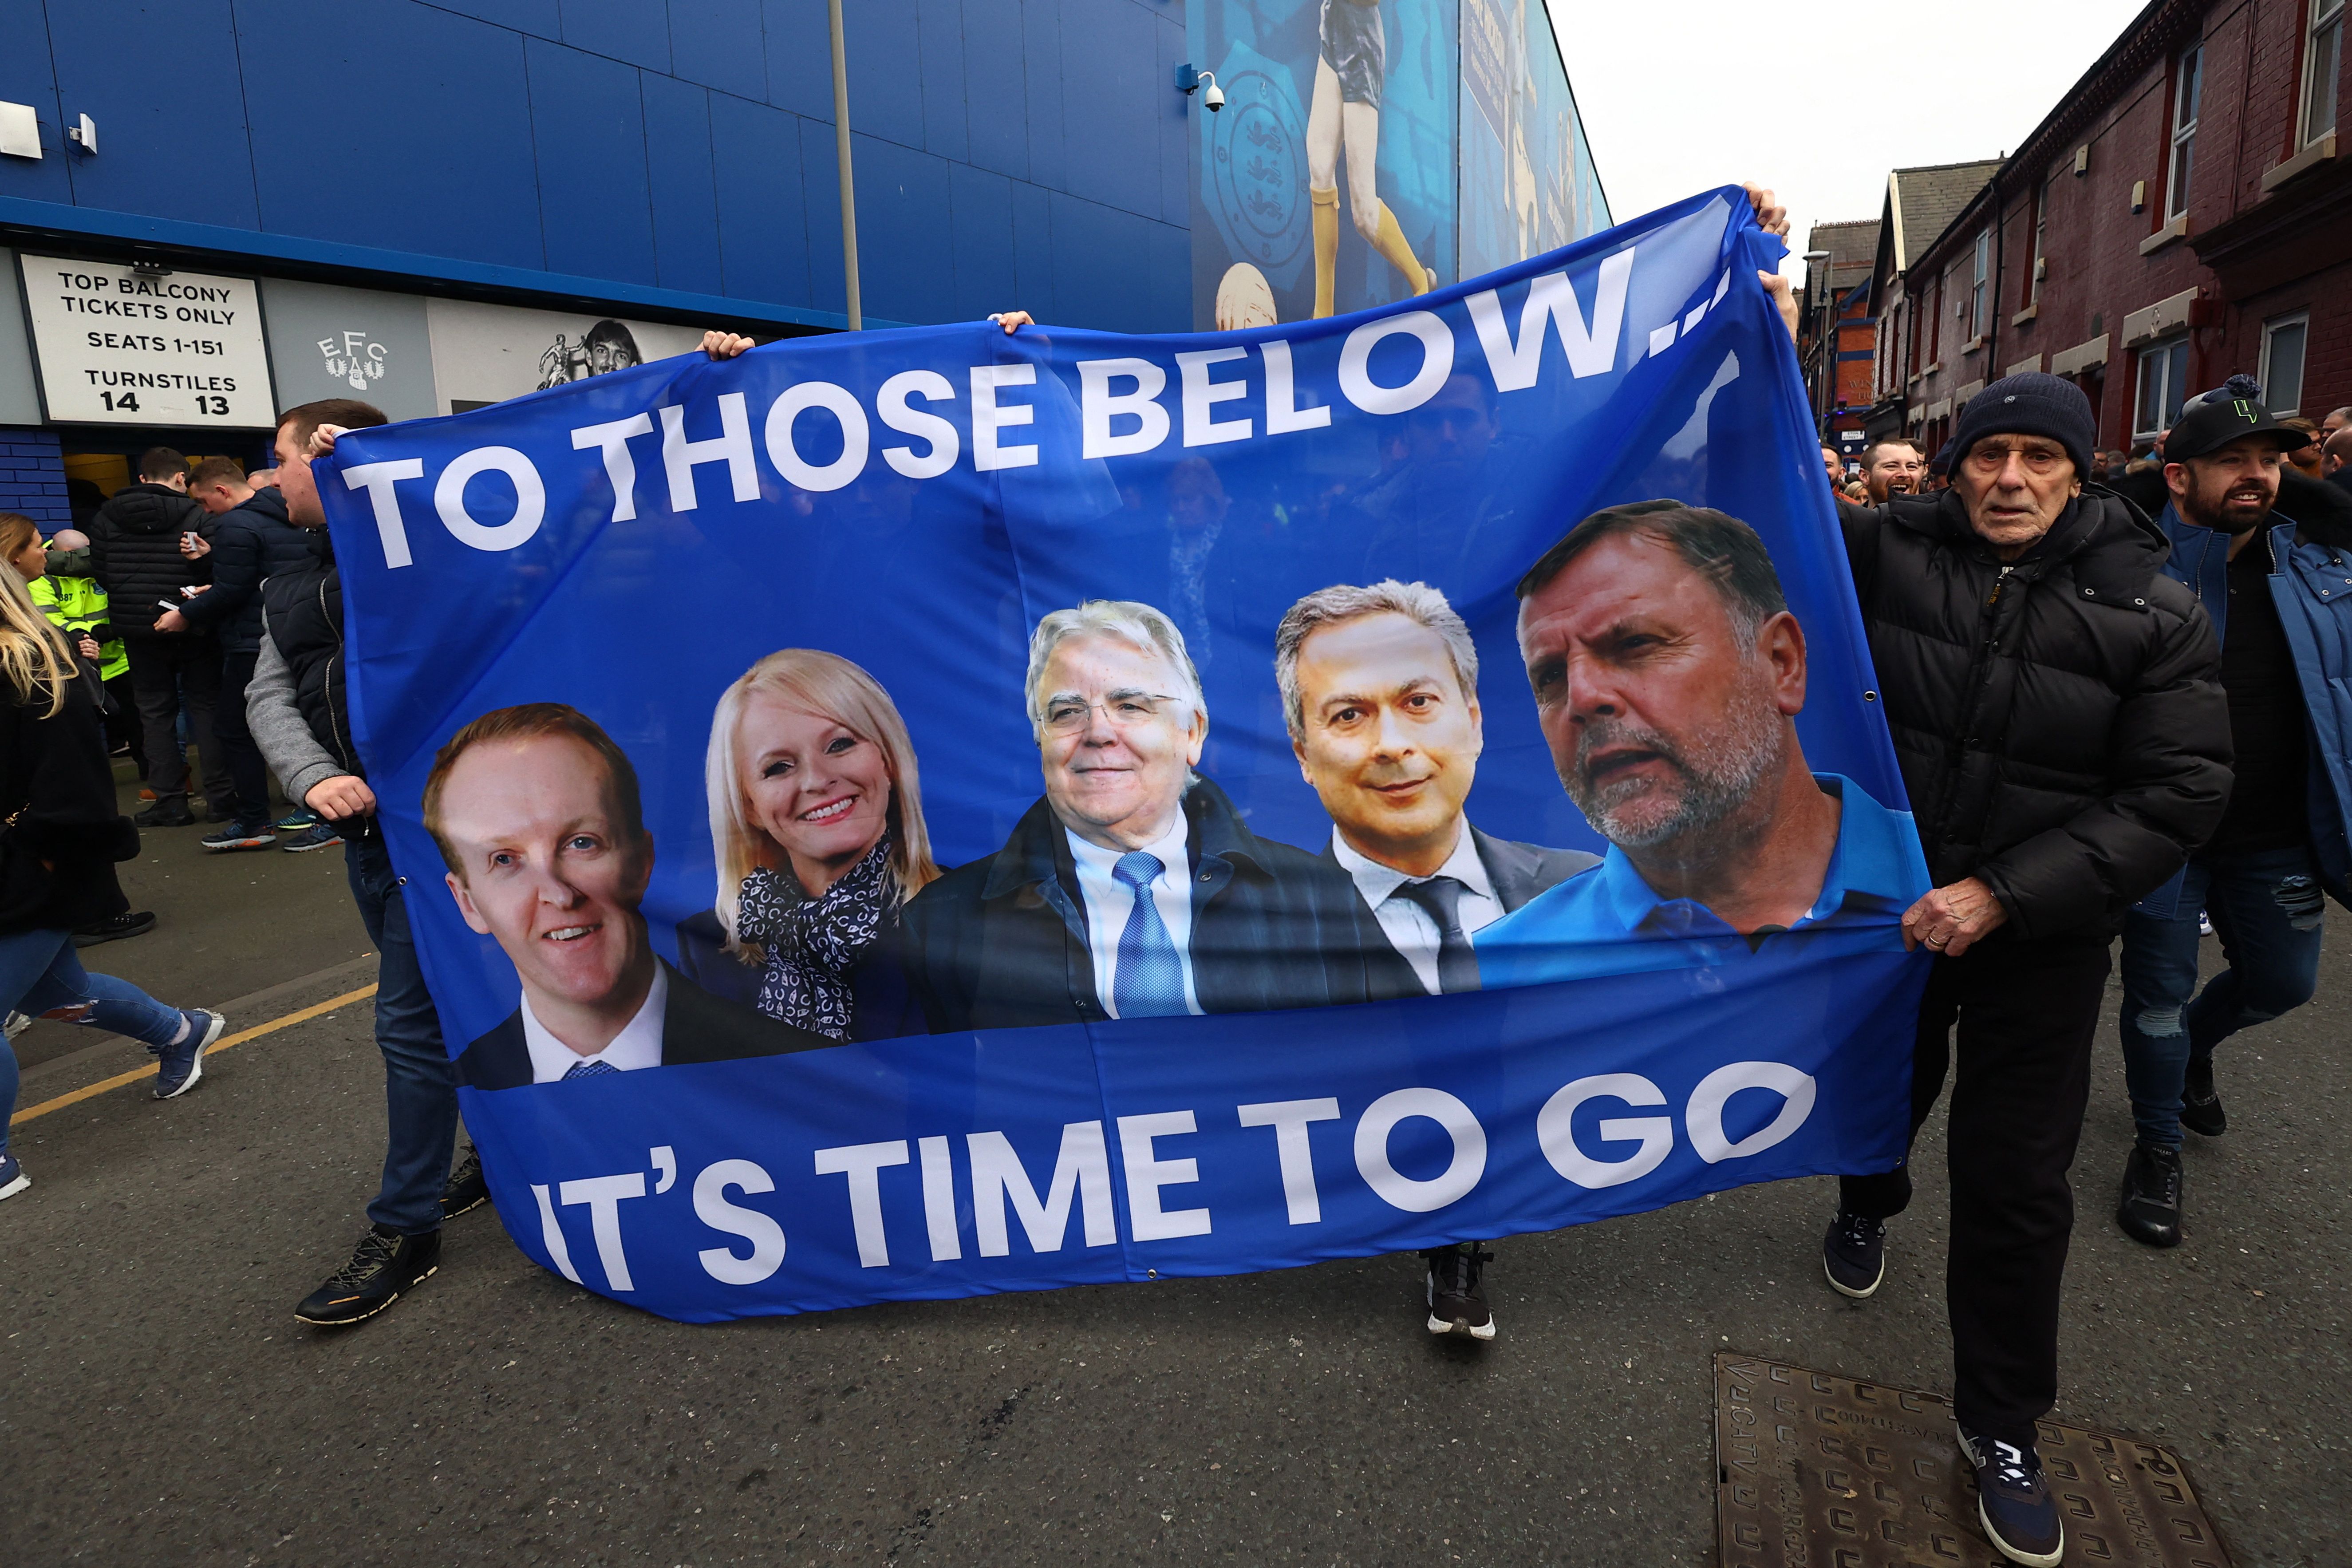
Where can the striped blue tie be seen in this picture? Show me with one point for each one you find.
(1150, 980)
(589, 1069)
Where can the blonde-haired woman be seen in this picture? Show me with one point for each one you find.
(62, 837)
(816, 821)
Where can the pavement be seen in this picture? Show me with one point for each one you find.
(159, 1404)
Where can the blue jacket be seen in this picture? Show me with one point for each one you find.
(2311, 583)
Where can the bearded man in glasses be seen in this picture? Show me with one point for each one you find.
(1133, 888)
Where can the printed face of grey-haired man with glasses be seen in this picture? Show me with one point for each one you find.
(1132, 890)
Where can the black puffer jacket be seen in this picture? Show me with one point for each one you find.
(303, 613)
(134, 552)
(58, 855)
(252, 543)
(2060, 725)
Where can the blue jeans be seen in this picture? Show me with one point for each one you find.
(420, 1084)
(40, 973)
(2265, 908)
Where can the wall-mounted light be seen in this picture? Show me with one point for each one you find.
(20, 131)
(1189, 81)
(84, 134)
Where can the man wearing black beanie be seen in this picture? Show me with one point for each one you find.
(2267, 552)
(2055, 705)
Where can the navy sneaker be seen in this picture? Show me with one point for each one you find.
(13, 1179)
(1457, 1299)
(468, 1189)
(184, 1064)
(1854, 1255)
(240, 836)
(318, 835)
(2014, 1502)
(385, 1266)
(295, 821)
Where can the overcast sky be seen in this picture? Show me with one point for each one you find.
(1817, 100)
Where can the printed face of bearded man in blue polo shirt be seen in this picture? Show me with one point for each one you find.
(1667, 675)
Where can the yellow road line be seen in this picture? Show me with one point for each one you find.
(135, 1074)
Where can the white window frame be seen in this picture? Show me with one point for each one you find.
(2302, 370)
(2188, 92)
(2147, 353)
(2320, 16)
(2041, 225)
(1979, 265)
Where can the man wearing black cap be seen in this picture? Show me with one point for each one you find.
(2054, 703)
(2268, 552)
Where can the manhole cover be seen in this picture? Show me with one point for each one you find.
(1821, 1471)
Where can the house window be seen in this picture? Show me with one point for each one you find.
(2282, 374)
(1980, 268)
(2163, 386)
(2322, 60)
(2185, 91)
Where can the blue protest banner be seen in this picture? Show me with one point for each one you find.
(918, 814)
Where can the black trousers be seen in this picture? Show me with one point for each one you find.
(165, 667)
(247, 771)
(122, 720)
(2026, 1014)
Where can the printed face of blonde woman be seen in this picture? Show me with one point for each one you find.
(810, 783)
(32, 560)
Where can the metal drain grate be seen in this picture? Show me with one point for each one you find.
(1814, 1470)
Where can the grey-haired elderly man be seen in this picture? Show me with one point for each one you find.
(1379, 688)
(1132, 888)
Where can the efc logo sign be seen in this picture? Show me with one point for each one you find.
(352, 357)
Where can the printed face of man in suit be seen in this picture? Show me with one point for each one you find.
(548, 869)
(1389, 741)
(1119, 741)
(1661, 723)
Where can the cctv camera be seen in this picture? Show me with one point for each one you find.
(1214, 97)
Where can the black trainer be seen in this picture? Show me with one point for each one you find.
(2200, 1107)
(169, 811)
(2149, 1210)
(2014, 1503)
(1854, 1255)
(383, 1267)
(132, 922)
(466, 1190)
(1457, 1302)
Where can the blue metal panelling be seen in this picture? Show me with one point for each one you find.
(541, 18)
(944, 115)
(720, 44)
(1026, 153)
(684, 188)
(160, 79)
(800, 57)
(980, 208)
(1041, 52)
(901, 191)
(762, 219)
(1033, 253)
(997, 112)
(821, 188)
(637, 31)
(27, 77)
(886, 85)
(589, 127)
(408, 127)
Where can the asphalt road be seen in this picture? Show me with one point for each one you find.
(159, 1405)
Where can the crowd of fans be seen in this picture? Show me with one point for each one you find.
(2107, 676)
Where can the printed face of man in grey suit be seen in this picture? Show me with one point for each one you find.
(547, 865)
(1387, 736)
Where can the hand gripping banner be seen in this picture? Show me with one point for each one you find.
(933, 812)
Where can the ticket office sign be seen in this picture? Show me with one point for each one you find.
(117, 346)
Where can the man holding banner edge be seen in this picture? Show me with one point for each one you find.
(1977, 602)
